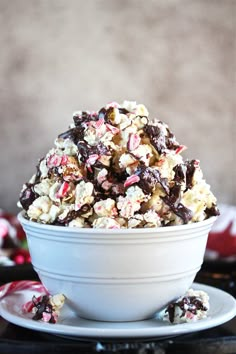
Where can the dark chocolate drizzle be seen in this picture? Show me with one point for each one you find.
(73, 214)
(43, 306)
(184, 173)
(75, 134)
(180, 173)
(191, 168)
(159, 140)
(173, 201)
(123, 110)
(149, 178)
(187, 303)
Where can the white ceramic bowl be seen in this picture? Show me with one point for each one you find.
(117, 275)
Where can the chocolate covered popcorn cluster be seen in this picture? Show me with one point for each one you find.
(191, 307)
(45, 307)
(116, 168)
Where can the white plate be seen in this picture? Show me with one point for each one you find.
(222, 309)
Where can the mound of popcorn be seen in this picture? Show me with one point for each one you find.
(117, 168)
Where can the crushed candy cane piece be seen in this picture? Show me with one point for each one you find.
(92, 159)
(133, 142)
(180, 149)
(63, 191)
(131, 180)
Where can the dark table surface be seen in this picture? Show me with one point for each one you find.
(218, 340)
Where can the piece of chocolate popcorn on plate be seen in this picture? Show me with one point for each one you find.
(191, 307)
(45, 307)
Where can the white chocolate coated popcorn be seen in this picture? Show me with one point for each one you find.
(117, 168)
(191, 307)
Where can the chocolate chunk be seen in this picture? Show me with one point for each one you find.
(213, 211)
(172, 200)
(171, 312)
(119, 176)
(27, 196)
(180, 173)
(184, 173)
(156, 137)
(191, 168)
(149, 178)
(159, 140)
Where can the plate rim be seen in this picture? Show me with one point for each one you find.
(105, 329)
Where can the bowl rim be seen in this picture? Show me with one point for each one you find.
(196, 225)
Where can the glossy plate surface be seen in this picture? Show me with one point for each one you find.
(222, 309)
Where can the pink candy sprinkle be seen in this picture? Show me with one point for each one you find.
(64, 160)
(78, 206)
(114, 227)
(114, 212)
(54, 161)
(131, 180)
(133, 142)
(98, 123)
(189, 315)
(112, 129)
(92, 159)
(63, 191)
(46, 316)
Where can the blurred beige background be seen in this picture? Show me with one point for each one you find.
(175, 56)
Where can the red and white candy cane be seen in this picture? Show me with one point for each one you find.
(14, 286)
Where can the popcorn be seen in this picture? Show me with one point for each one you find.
(45, 307)
(106, 223)
(105, 208)
(191, 307)
(83, 194)
(117, 168)
(132, 202)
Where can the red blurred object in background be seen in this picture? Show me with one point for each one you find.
(20, 256)
(13, 243)
(14, 223)
(222, 238)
